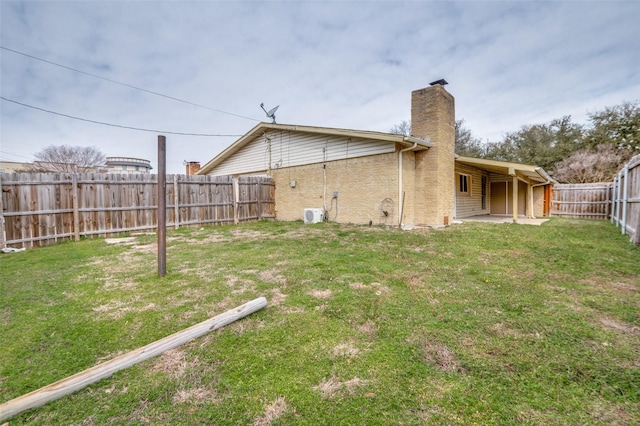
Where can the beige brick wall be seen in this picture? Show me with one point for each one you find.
(433, 117)
(366, 184)
(362, 185)
(408, 204)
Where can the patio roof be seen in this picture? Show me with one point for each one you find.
(527, 172)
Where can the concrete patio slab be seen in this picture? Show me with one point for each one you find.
(522, 220)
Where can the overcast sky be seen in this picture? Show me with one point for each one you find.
(340, 64)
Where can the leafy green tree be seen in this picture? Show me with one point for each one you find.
(467, 144)
(539, 144)
(618, 125)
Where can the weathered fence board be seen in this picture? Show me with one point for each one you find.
(590, 200)
(626, 200)
(618, 201)
(37, 208)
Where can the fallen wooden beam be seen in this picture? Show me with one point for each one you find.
(80, 380)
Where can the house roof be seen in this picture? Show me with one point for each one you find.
(528, 172)
(417, 144)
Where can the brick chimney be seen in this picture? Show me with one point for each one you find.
(433, 117)
(192, 167)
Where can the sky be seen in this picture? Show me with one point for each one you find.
(204, 68)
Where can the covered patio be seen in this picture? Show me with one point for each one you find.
(512, 190)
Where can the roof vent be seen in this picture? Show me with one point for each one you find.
(440, 82)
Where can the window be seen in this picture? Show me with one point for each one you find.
(464, 184)
(484, 192)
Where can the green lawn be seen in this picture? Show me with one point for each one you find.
(471, 324)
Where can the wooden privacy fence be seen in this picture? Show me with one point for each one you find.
(582, 200)
(39, 208)
(625, 208)
(618, 201)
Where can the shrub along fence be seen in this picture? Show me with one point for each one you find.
(40, 208)
(618, 201)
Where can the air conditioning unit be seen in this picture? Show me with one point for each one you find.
(313, 215)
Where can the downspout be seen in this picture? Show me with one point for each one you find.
(400, 193)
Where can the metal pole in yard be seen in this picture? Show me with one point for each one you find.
(162, 206)
(3, 242)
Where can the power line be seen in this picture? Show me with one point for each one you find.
(15, 155)
(114, 125)
(125, 84)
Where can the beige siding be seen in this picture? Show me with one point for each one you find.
(283, 149)
(471, 205)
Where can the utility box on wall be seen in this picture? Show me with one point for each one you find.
(313, 215)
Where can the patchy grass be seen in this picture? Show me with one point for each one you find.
(472, 324)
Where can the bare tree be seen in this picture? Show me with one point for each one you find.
(588, 166)
(69, 159)
(404, 128)
(466, 143)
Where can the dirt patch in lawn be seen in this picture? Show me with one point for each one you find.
(333, 387)
(377, 287)
(369, 327)
(440, 356)
(195, 396)
(272, 412)
(348, 349)
(117, 309)
(5, 315)
(321, 294)
(621, 327)
(173, 363)
(272, 276)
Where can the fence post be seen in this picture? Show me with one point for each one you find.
(236, 198)
(608, 205)
(162, 206)
(259, 192)
(625, 198)
(3, 243)
(176, 208)
(614, 201)
(74, 201)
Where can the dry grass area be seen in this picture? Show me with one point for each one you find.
(471, 324)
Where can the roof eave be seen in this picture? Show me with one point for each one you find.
(228, 151)
(261, 127)
(423, 143)
(516, 167)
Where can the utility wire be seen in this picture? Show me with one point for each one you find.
(114, 125)
(125, 84)
(15, 155)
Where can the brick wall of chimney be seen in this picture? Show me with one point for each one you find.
(433, 117)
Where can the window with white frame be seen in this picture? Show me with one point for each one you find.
(464, 184)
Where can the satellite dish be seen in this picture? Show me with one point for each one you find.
(271, 113)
